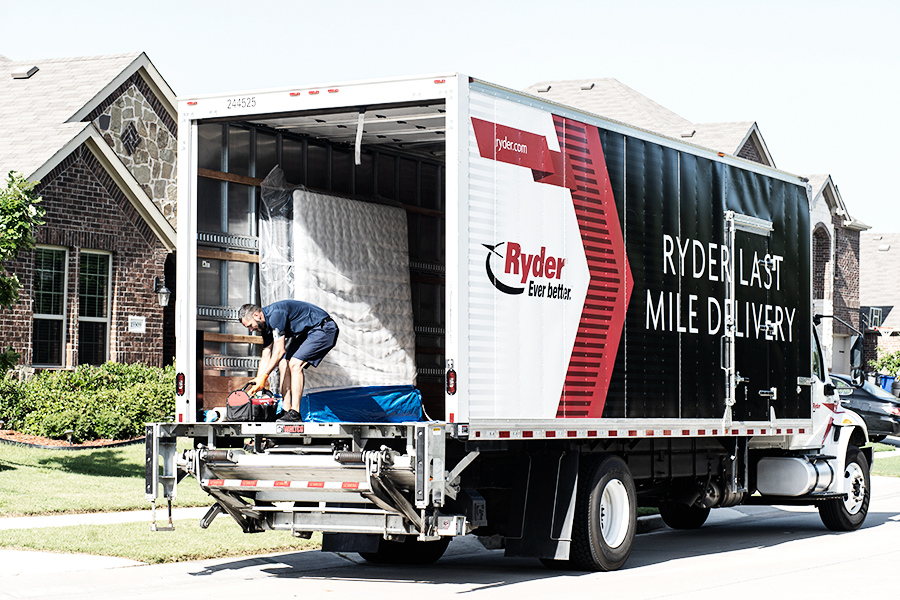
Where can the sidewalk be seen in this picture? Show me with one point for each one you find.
(28, 562)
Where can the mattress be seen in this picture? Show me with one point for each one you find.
(350, 258)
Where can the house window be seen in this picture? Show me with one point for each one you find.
(49, 306)
(93, 308)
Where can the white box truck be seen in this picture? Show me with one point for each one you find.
(598, 318)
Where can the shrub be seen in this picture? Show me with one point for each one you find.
(887, 362)
(10, 396)
(112, 401)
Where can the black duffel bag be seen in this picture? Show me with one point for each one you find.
(239, 406)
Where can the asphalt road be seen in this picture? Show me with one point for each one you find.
(748, 552)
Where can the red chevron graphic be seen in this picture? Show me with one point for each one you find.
(581, 167)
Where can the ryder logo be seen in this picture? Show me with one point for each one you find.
(510, 272)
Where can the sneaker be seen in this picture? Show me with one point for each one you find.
(291, 416)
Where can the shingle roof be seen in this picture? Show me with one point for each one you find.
(722, 137)
(610, 98)
(817, 182)
(35, 112)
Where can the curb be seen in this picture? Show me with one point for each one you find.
(649, 523)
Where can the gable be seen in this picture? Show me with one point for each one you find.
(50, 115)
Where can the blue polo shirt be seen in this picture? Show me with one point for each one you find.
(290, 318)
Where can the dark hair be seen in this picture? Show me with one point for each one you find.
(248, 309)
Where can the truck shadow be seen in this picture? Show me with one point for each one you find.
(467, 562)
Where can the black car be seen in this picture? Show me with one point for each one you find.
(879, 409)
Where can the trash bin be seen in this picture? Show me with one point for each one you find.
(887, 382)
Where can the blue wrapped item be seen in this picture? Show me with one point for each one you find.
(372, 404)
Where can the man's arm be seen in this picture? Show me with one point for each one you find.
(271, 355)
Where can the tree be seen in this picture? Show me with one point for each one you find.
(19, 215)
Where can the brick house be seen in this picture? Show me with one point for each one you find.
(835, 233)
(99, 133)
(836, 269)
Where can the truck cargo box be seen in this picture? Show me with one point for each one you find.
(566, 268)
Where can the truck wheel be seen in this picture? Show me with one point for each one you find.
(678, 515)
(849, 514)
(410, 551)
(605, 515)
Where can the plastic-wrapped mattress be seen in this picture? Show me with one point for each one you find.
(351, 258)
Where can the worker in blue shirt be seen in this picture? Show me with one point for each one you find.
(295, 335)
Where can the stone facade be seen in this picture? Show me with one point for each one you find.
(150, 154)
(85, 210)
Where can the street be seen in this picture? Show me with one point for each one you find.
(740, 553)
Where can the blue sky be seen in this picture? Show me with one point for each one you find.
(821, 78)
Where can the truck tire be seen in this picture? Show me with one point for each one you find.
(605, 515)
(849, 514)
(678, 515)
(410, 551)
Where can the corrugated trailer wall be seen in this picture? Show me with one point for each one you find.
(668, 363)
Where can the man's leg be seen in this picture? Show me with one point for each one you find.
(297, 382)
(285, 373)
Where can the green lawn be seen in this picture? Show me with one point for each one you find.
(35, 481)
(890, 466)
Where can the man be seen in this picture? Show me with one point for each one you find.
(295, 335)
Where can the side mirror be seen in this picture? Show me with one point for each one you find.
(856, 352)
(829, 389)
(857, 376)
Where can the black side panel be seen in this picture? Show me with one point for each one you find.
(652, 354)
(673, 207)
(702, 225)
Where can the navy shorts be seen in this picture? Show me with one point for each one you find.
(318, 342)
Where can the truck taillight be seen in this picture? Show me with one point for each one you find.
(179, 384)
(451, 378)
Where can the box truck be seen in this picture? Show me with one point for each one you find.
(596, 317)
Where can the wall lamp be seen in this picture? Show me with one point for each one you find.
(161, 291)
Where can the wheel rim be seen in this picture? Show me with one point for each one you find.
(614, 513)
(857, 491)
